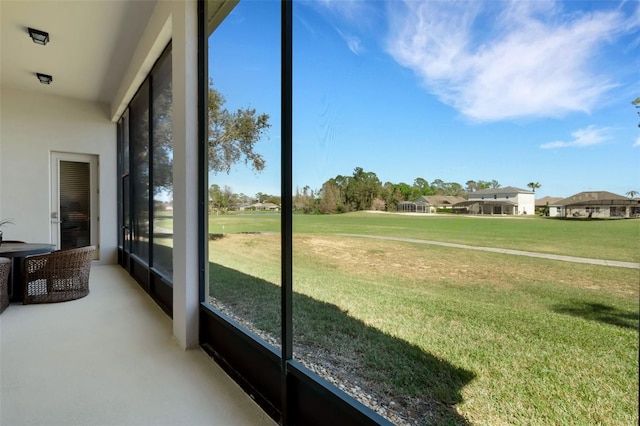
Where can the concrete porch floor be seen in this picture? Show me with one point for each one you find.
(110, 359)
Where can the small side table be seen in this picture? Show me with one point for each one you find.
(17, 252)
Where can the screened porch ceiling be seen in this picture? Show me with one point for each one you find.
(91, 45)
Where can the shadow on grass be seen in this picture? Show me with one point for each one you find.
(601, 313)
(384, 366)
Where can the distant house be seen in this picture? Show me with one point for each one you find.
(555, 209)
(265, 206)
(429, 204)
(259, 207)
(418, 206)
(601, 204)
(499, 201)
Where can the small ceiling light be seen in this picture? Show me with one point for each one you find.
(38, 37)
(44, 78)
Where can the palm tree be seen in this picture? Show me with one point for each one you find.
(534, 185)
(632, 193)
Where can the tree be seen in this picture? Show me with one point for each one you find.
(274, 199)
(162, 148)
(304, 201)
(534, 185)
(215, 197)
(261, 198)
(483, 184)
(405, 190)
(362, 188)
(636, 103)
(221, 199)
(472, 186)
(423, 187)
(392, 196)
(378, 204)
(632, 193)
(233, 135)
(438, 185)
(341, 183)
(243, 199)
(329, 198)
(453, 189)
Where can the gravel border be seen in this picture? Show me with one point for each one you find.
(316, 360)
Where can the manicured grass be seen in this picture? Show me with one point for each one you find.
(457, 335)
(234, 223)
(600, 239)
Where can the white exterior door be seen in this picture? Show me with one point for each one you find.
(74, 201)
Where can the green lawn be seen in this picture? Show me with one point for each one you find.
(600, 239)
(456, 335)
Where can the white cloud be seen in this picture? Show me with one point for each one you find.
(581, 138)
(348, 9)
(357, 15)
(524, 59)
(637, 142)
(353, 42)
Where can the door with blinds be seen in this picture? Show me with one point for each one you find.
(74, 196)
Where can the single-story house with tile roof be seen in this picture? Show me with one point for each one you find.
(498, 201)
(429, 203)
(554, 209)
(260, 206)
(601, 204)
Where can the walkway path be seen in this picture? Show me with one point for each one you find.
(602, 262)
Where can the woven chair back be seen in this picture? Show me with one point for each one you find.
(58, 276)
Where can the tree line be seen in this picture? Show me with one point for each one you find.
(364, 191)
(224, 199)
(361, 191)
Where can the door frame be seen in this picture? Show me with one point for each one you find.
(94, 216)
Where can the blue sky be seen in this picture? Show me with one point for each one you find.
(515, 91)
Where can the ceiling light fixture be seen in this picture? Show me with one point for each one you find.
(38, 37)
(44, 78)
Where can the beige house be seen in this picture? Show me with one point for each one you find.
(551, 203)
(262, 207)
(599, 204)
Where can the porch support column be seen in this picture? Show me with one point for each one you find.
(185, 173)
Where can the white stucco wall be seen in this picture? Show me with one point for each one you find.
(489, 196)
(32, 126)
(526, 203)
(186, 298)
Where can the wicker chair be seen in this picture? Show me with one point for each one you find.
(5, 267)
(58, 276)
